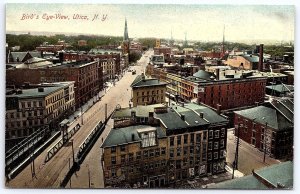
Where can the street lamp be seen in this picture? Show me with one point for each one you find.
(236, 158)
(73, 151)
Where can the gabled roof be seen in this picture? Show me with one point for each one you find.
(279, 114)
(141, 81)
(21, 55)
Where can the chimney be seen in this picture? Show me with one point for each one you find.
(218, 74)
(182, 117)
(201, 115)
(40, 89)
(261, 58)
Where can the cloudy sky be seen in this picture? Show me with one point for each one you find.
(200, 22)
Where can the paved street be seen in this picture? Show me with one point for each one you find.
(249, 157)
(91, 168)
(50, 174)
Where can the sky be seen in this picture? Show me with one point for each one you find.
(200, 22)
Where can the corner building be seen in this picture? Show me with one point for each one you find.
(156, 146)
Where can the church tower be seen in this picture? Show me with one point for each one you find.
(126, 42)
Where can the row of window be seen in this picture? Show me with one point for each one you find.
(186, 138)
(22, 124)
(216, 155)
(188, 149)
(215, 145)
(31, 104)
(150, 92)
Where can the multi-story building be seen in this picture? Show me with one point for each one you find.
(39, 105)
(232, 93)
(269, 128)
(147, 91)
(86, 74)
(157, 146)
(109, 68)
(162, 51)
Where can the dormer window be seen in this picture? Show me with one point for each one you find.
(148, 137)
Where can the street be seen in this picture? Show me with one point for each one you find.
(91, 170)
(249, 157)
(50, 174)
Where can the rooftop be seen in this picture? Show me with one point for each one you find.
(281, 88)
(141, 81)
(276, 174)
(277, 116)
(125, 135)
(34, 92)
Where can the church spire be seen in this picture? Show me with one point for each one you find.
(125, 31)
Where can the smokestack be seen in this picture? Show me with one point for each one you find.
(261, 58)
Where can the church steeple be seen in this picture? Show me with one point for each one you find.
(125, 31)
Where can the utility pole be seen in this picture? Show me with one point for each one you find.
(89, 174)
(236, 158)
(105, 111)
(265, 146)
(81, 115)
(72, 141)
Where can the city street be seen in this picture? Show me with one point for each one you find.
(91, 170)
(50, 174)
(249, 157)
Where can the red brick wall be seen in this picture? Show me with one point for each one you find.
(232, 94)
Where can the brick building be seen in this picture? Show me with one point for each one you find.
(147, 91)
(162, 51)
(34, 106)
(232, 93)
(87, 77)
(155, 146)
(271, 125)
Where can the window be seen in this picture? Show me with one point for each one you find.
(163, 163)
(138, 155)
(192, 137)
(253, 141)
(113, 160)
(185, 139)
(171, 141)
(222, 143)
(209, 156)
(178, 140)
(191, 150)
(145, 153)
(122, 148)
(216, 145)
(151, 166)
(178, 151)
(210, 134)
(163, 151)
(185, 151)
(171, 153)
(146, 166)
(123, 158)
(123, 170)
(198, 138)
(215, 155)
(191, 160)
(113, 149)
(217, 134)
(222, 154)
(130, 157)
(209, 145)
(204, 135)
(148, 139)
(151, 153)
(113, 172)
(157, 152)
(223, 132)
(204, 156)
